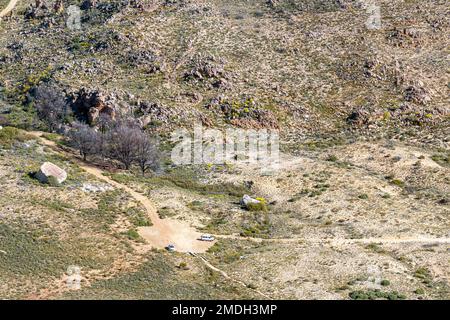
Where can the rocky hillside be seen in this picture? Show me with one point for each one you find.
(358, 210)
(304, 67)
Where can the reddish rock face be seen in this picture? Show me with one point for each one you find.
(93, 103)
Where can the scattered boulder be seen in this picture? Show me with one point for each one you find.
(48, 170)
(359, 117)
(88, 4)
(58, 7)
(245, 113)
(152, 112)
(247, 200)
(39, 10)
(403, 37)
(145, 59)
(251, 204)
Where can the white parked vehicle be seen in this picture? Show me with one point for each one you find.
(170, 247)
(207, 237)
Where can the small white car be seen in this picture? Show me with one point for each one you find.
(170, 248)
(207, 237)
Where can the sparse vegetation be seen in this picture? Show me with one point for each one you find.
(10, 135)
(260, 206)
(360, 200)
(375, 295)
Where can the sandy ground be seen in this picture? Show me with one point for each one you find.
(163, 231)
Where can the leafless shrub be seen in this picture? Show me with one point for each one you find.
(51, 106)
(85, 139)
(146, 156)
(122, 143)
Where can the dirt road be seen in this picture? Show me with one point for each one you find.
(342, 241)
(185, 238)
(8, 8)
(163, 231)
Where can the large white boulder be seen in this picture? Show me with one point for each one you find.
(49, 169)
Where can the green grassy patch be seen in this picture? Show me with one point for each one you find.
(184, 179)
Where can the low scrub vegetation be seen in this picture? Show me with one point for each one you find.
(10, 135)
(376, 294)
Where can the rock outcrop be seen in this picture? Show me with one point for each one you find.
(91, 103)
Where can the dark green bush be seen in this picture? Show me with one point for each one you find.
(385, 282)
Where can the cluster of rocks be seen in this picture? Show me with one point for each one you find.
(87, 187)
(359, 117)
(108, 39)
(151, 112)
(403, 114)
(317, 6)
(402, 37)
(171, 3)
(42, 9)
(88, 4)
(145, 59)
(38, 10)
(15, 52)
(209, 68)
(246, 113)
(417, 93)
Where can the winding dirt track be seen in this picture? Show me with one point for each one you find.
(163, 231)
(8, 8)
(343, 241)
(185, 238)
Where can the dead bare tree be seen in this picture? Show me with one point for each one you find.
(51, 106)
(122, 143)
(146, 153)
(85, 139)
(104, 124)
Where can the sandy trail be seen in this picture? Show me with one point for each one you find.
(185, 238)
(163, 231)
(341, 241)
(8, 8)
